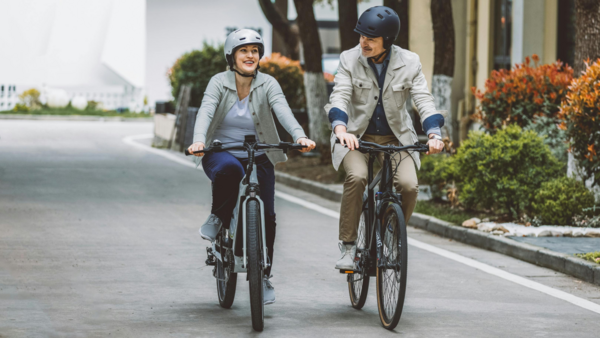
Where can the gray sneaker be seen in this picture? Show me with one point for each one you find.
(211, 228)
(268, 291)
(346, 262)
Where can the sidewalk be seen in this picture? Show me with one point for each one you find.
(551, 252)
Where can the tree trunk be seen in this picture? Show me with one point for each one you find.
(348, 17)
(443, 66)
(280, 23)
(314, 82)
(587, 40)
(279, 44)
(401, 7)
(587, 46)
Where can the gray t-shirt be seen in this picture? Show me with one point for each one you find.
(237, 124)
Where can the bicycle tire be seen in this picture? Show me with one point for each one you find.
(226, 289)
(391, 283)
(358, 283)
(255, 266)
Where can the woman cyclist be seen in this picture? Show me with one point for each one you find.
(236, 103)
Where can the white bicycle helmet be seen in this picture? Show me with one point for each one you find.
(242, 37)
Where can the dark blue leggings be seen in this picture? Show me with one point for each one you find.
(226, 172)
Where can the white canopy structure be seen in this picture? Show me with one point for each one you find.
(92, 48)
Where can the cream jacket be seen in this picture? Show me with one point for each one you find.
(356, 90)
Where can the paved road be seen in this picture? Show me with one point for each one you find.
(99, 238)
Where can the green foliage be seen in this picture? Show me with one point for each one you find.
(20, 108)
(197, 68)
(503, 171)
(73, 111)
(558, 200)
(437, 171)
(92, 105)
(554, 137)
(591, 256)
(31, 99)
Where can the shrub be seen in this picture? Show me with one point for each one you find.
(197, 68)
(581, 119)
(437, 171)
(520, 94)
(31, 99)
(289, 74)
(503, 171)
(20, 107)
(558, 200)
(554, 137)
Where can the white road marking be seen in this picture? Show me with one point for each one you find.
(583, 303)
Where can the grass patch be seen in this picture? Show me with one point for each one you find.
(445, 213)
(72, 111)
(591, 256)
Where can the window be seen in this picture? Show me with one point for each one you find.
(502, 33)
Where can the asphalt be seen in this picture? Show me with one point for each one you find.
(99, 238)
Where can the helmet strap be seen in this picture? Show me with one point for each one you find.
(377, 57)
(253, 75)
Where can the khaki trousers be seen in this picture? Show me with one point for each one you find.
(356, 165)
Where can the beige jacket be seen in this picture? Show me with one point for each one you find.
(265, 94)
(356, 91)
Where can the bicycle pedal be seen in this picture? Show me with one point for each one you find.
(210, 262)
(343, 271)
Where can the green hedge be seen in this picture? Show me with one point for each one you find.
(503, 171)
(197, 67)
(557, 201)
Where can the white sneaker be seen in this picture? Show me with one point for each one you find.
(210, 228)
(346, 262)
(268, 291)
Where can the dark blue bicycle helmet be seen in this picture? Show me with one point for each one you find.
(379, 21)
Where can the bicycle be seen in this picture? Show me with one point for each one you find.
(242, 248)
(381, 245)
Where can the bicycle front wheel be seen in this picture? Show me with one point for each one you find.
(391, 270)
(358, 282)
(255, 266)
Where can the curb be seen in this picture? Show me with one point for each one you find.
(75, 118)
(570, 265)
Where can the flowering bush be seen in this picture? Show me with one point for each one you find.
(289, 74)
(581, 119)
(31, 99)
(520, 94)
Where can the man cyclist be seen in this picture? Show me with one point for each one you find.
(372, 84)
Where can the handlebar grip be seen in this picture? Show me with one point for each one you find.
(187, 152)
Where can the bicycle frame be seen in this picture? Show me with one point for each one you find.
(248, 190)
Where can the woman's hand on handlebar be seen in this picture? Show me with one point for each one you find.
(345, 138)
(435, 146)
(305, 141)
(196, 147)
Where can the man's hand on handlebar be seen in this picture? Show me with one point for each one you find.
(305, 141)
(196, 147)
(435, 146)
(345, 138)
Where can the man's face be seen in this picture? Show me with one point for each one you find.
(371, 47)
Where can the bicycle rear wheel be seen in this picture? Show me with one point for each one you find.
(255, 266)
(358, 282)
(391, 270)
(226, 278)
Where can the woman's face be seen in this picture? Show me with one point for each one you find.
(371, 46)
(246, 58)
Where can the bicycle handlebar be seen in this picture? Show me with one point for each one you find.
(285, 146)
(365, 146)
